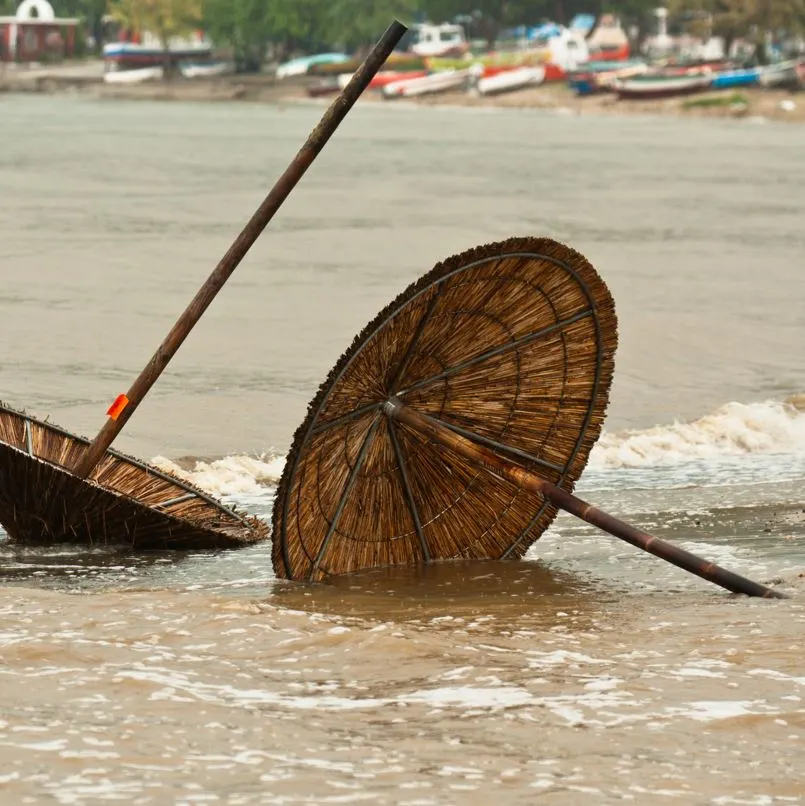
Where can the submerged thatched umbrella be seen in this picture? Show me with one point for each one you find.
(55, 486)
(458, 422)
(124, 501)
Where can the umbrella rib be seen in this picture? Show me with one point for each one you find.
(499, 446)
(409, 495)
(505, 348)
(345, 418)
(414, 341)
(353, 477)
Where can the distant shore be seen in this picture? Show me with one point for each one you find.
(86, 80)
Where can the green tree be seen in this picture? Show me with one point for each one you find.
(165, 19)
(89, 12)
(490, 17)
(243, 25)
(730, 19)
(357, 24)
(250, 26)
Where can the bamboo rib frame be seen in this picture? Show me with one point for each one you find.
(514, 342)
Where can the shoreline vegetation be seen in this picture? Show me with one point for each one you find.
(86, 80)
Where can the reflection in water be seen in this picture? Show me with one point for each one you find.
(454, 590)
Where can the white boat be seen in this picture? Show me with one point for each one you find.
(436, 82)
(510, 80)
(650, 87)
(780, 74)
(206, 70)
(135, 76)
(301, 65)
(151, 53)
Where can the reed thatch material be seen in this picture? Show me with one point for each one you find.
(513, 342)
(124, 501)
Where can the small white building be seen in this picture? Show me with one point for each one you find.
(438, 40)
(35, 32)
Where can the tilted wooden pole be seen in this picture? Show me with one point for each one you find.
(126, 404)
(518, 475)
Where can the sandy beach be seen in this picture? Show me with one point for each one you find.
(86, 79)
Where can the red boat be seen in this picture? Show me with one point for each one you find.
(553, 72)
(496, 69)
(384, 77)
(387, 76)
(330, 86)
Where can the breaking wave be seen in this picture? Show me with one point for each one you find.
(240, 476)
(771, 427)
(735, 429)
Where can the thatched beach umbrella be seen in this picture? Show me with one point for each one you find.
(458, 422)
(55, 486)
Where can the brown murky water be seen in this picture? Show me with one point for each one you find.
(586, 673)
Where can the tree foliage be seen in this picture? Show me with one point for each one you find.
(165, 19)
(730, 19)
(354, 24)
(249, 27)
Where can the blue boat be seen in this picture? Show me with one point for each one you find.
(744, 77)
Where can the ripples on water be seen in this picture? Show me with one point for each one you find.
(399, 689)
(587, 673)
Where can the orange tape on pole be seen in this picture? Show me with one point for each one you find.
(121, 401)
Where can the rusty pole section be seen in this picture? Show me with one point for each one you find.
(230, 261)
(503, 468)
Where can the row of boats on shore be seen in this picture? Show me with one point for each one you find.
(636, 79)
(494, 74)
(629, 79)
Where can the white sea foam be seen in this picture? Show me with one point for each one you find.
(230, 476)
(733, 430)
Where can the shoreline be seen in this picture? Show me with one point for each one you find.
(86, 81)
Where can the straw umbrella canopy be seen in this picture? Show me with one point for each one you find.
(511, 344)
(125, 501)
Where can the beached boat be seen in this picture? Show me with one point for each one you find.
(735, 78)
(383, 78)
(425, 85)
(206, 70)
(324, 87)
(651, 86)
(555, 72)
(124, 56)
(597, 76)
(395, 61)
(306, 64)
(781, 74)
(510, 80)
(697, 68)
(502, 60)
(135, 76)
(605, 80)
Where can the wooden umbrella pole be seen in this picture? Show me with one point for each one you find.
(125, 406)
(503, 468)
